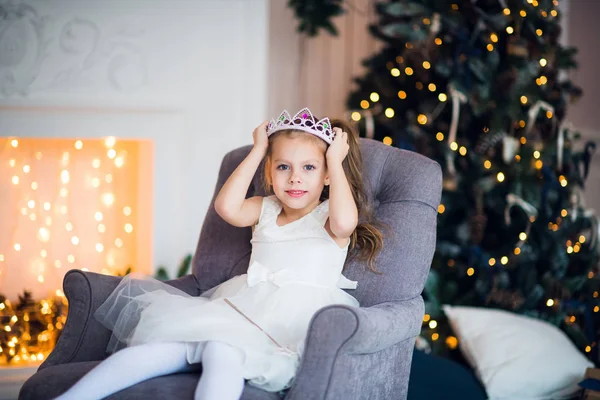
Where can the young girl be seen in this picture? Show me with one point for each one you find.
(252, 327)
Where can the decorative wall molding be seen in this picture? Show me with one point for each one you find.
(38, 53)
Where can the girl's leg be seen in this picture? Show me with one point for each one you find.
(126, 368)
(222, 377)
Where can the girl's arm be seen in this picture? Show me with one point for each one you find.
(231, 203)
(343, 214)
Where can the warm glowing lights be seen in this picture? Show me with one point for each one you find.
(108, 199)
(542, 80)
(387, 141)
(500, 177)
(110, 142)
(563, 181)
(452, 342)
(64, 176)
(356, 116)
(44, 234)
(539, 164)
(389, 112)
(422, 119)
(442, 97)
(374, 97)
(56, 240)
(523, 236)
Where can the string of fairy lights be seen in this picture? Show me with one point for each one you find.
(398, 68)
(51, 207)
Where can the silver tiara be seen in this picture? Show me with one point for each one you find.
(302, 121)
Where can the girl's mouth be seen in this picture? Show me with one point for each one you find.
(296, 193)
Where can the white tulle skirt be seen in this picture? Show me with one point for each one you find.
(268, 323)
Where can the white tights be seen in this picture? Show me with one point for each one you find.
(221, 379)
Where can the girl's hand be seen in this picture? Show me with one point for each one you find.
(338, 149)
(261, 140)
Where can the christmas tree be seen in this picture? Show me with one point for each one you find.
(480, 86)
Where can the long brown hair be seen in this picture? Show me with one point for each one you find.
(366, 241)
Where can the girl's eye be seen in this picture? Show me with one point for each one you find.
(309, 167)
(282, 167)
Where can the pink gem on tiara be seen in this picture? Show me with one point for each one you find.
(303, 121)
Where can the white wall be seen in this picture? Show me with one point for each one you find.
(190, 75)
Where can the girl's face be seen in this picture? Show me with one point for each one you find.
(298, 170)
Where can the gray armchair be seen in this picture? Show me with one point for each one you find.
(350, 353)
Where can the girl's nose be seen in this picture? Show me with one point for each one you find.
(295, 179)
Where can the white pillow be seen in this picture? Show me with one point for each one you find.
(517, 357)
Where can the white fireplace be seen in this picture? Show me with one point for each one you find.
(176, 83)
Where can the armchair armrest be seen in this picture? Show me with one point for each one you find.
(83, 338)
(342, 340)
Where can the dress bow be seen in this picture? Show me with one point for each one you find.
(259, 273)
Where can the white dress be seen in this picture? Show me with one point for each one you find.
(294, 271)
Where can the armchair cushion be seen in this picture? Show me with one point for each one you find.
(53, 381)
